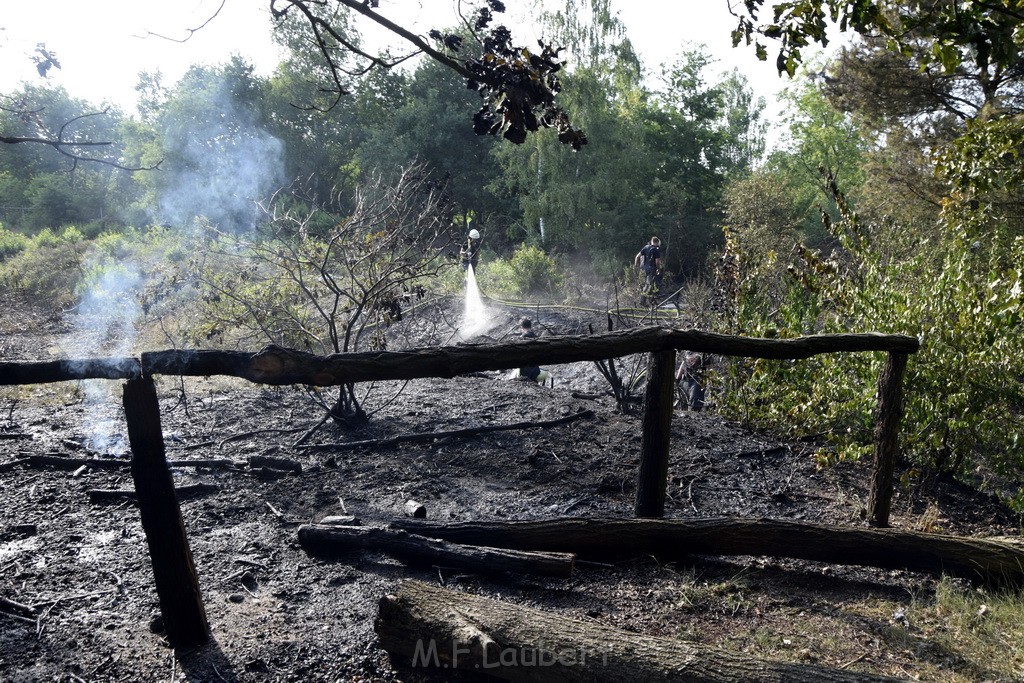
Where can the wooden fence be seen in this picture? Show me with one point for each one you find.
(174, 571)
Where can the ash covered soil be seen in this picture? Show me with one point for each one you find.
(278, 614)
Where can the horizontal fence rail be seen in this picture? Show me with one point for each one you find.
(43, 372)
(277, 365)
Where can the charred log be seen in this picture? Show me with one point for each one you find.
(108, 496)
(332, 541)
(981, 559)
(451, 433)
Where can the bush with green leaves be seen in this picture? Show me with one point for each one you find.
(962, 296)
(528, 272)
(46, 274)
(11, 243)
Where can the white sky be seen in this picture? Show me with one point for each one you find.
(104, 44)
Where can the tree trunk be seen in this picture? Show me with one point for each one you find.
(973, 558)
(331, 540)
(426, 626)
(346, 411)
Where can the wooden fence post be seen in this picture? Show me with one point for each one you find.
(887, 426)
(177, 584)
(657, 425)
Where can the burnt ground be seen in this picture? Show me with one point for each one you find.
(278, 614)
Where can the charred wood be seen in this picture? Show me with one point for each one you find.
(977, 559)
(177, 584)
(332, 541)
(41, 372)
(61, 462)
(415, 509)
(277, 365)
(282, 464)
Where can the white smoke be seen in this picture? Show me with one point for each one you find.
(106, 327)
(220, 164)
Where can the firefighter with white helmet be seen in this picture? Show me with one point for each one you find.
(470, 252)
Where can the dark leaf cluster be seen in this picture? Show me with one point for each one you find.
(450, 41)
(984, 32)
(45, 60)
(798, 23)
(518, 88)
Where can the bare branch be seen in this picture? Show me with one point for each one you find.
(59, 142)
(189, 31)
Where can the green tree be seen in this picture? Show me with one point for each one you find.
(591, 202)
(53, 188)
(517, 84)
(821, 143)
(428, 124)
(702, 133)
(320, 141)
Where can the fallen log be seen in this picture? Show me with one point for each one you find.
(341, 520)
(453, 433)
(427, 626)
(61, 462)
(12, 607)
(11, 464)
(207, 463)
(328, 540)
(101, 496)
(269, 462)
(981, 559)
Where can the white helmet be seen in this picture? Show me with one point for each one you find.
(474, 234)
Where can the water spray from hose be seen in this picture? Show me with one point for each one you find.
(476, 318)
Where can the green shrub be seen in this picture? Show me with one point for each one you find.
(535, 272)
(496, 278)
(962, 297)
(11, 243)
(71, 234)
(529, 271)
(45, 275)
(45, 238)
